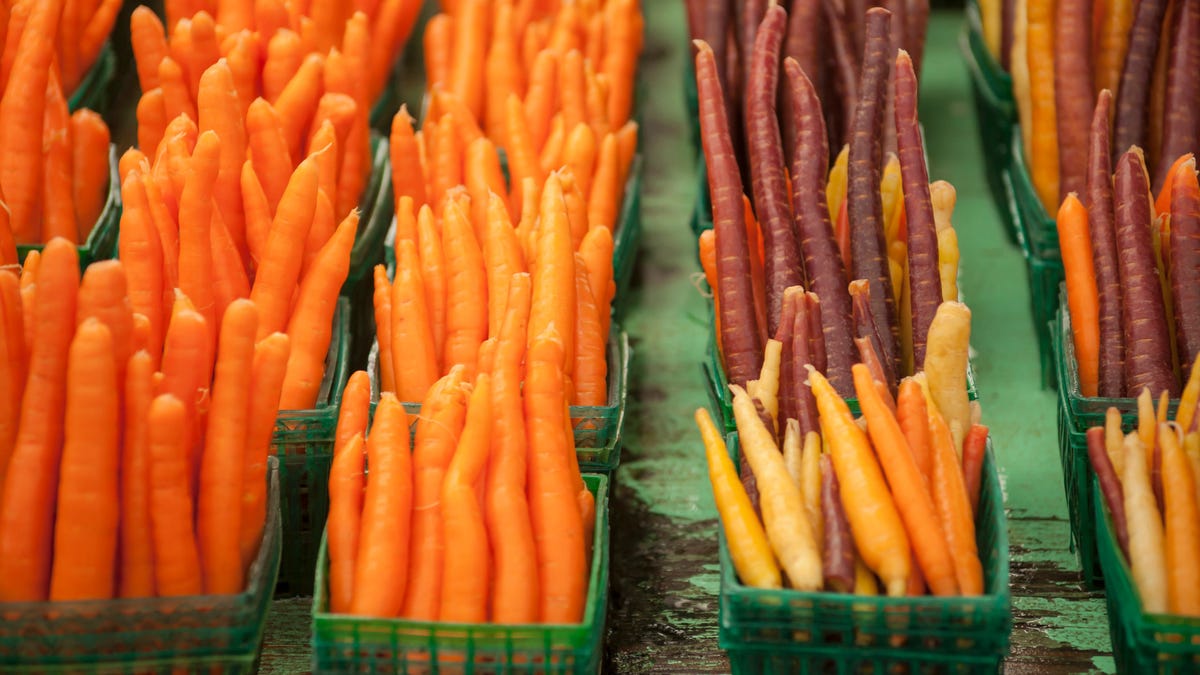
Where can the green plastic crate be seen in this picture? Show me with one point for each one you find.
(1082, 411)
(376, 213)
(347, 644)
(1078, 486)
(1142, 643)
(303, 444)
(995, 110)
(628, 235)
(149, 636)
(597, 428)
(1045, 275)
(95, 91)
(789, 631)
(1034, 222)
(721, 399)
(101, 243)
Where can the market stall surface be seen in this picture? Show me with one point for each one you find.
(663, 602)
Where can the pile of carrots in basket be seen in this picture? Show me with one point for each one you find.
(54, 165)
(128, 468)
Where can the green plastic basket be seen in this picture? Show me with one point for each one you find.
(789, 631)
(303, 443)
(628, 235)
(995, 110)
(721, 399)
(377, 211)
(1078, 486)
(597, 428)
(1034, 222)
(149, 636)
(1045, 275)
(95, 91)
(347, 644)
(1142, 643)
(101, 243)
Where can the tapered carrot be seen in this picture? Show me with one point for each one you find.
(438, 44)
(596, 248)
(590, 372)
(176, 92)
(1074, 96)
(974, 448)
(557, 523)
(202, 53)
(346, 479)
(620, 60)
(270, 364)
(878, 531)
(483, 177)
(1146, 551)
(467, 59)
(283, 58)
(1181, 517)
(554, 273)
(279, 268)
(1131, 118)
(311, 324)
(176, 556)
(195, 226)
(219, 110)
(27, 506)
(135, 572)
(408, 178)
(522, 155)
(503, 258)
(387, 515)
(149, 42)
(186, 368)
(21, 118)
(298, 101)
(1082, 295)
(466, 292)
(1104, 249)
(954, 506)
(1182, 244)
(605, 196)
(412, 339)
(58, 210)
(86, 517)
(12, 368)
(141, 253)
(443, 413)
(89, 165)
(1044, 162)
(230, 280)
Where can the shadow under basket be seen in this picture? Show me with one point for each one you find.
(149, 636)
(349, 644)
(789, 631)
(1142, 643)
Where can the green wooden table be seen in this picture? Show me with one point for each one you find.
(663, 602)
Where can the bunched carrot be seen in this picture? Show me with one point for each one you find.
(176, 557)
(270, 365)
(346, 479)
(135, 572)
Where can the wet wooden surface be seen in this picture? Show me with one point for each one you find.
(663, 604)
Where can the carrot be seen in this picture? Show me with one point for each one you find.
(433, 276)
(279, 268)
(558, 528)
(553, 269)
(946, 368)
(827, 276)
(522, 155)
(878, 530)
(974, 448)
(1133, 95)
(483, 177)
(540, 101)
(466, 292)
(465, 77)
(838, 554)
(176, 557)
(1180, 125)
(1146, 551)
(783, 266)
(230, 280)
(407, 175)
(149, 42)
(135, 573)
(1113, 44)
(1181, 517)
(89, 162)
(748, 544)
(741, 344)
(1184, 272)
(387, 508)
(58, 209)
(443, 414)
(1104, 251)
(345, 511)
(298, 101)
(141, 253)
(283, 58)
(27, 509)
(846, 68)
(865, 327)
(195, 240)
(953, 506)
(1043, 130)
(1110, 484)
(86, 516)
(269, 366)
(499, 72)
(12, 368)
(1082, 295)
(605, 199)
(1072, 37)
(912, 501)
(868, 259)
(1148, 361)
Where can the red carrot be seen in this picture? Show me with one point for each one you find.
(1110, 485)
(868, 249)
(838, 555)
(974, 447)
(802, 357)
(846, 65)
(1072, 90)
(1148, 360)
(1104, 252)
(1130, 128)
(742, 346)
(1181, 124)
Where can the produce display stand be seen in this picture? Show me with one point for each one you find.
(1142, 642)
(785, 631)
(149, 636)
(101, 243)
(348, 644)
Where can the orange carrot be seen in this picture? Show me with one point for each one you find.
(149, 41)
(445, 169)
(522, 155)
(411, 335)
(554, 273)
(89, 163)
(540, 98)
(604, 200)
(284, 56)
(311, 323)
(1181, 516)
(136, 568)
(298, 101)
(195, 227)
(345, 513)
(219, 111)
(12, 367)
(230, 281)
(168, 233)
(466, 564)
(1044, 132)
(954, 506)
(483, 176)
(466, 60)
(186, 368)
(623, 33)
(176, 556)
(270, 364)
(382, 303)
(141, 252)
(279, 268)
(913, 418)
(58, 208)
(257, 210)
(579, 155)
(177, 98)
(590, 372)
(504, 258)
(466, 292)
(1082, 295)
(407, 176)
(597, 250)
(103, 294)
(501, 73)
(438, 45)
(31, 481)
(268, 150)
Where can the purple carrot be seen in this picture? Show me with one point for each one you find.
(806, 43)
(1072, 90)
(1185, 263)
(837, 558)
(1104, 252)
(802, 357)
(1006, 33)
(822, 258)
(782, 264)
(695, 18)
(1181, 124)
(845, 68)
(866, 354)
(918, 27)
(855, 10)
(899, 10)
(1110, 485)
(1148, 361)
(747, 16)
(787, 396)
(864, 324)
(742, 346)
(865, 209)
(819, 358)
(1133, 95)
(924, 279)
